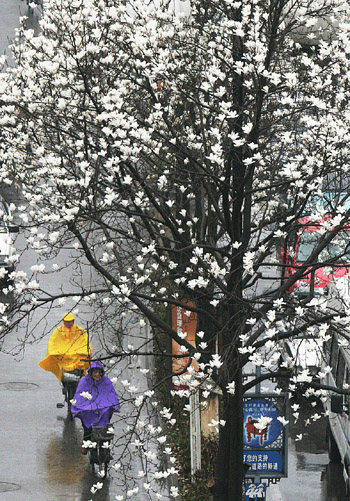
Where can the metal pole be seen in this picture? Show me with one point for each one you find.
(195, 433)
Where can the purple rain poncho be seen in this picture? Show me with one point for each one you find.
(97, 411)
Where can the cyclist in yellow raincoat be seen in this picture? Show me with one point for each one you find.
(68, 344)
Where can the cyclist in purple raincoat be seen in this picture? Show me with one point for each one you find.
(95, 400)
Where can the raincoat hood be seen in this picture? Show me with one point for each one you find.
(95, 401)
(68, 317)
(96, 365)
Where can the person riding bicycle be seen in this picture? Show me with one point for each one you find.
(94, 401)
(68, 345)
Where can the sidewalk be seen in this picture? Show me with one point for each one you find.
(273, 493)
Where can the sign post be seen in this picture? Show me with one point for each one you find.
(265, 442)
(186, 325)
(195, 433)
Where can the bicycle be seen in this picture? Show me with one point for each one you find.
(70, 381)
(99, 451)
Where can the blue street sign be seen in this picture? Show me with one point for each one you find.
(263, 461)
(255, 492)
(261, 426)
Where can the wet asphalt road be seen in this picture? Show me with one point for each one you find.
(41, 459)
(9, 15)
(311, 477)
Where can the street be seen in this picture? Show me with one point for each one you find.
(42, 445)
(310, 474)
(9, 16)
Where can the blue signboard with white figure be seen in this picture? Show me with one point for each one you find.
(261, 424)
(255, 492)
(265, 436)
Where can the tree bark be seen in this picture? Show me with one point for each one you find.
(229, 475)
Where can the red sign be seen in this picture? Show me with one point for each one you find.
(184, 322)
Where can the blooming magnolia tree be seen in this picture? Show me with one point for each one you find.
(176, 152)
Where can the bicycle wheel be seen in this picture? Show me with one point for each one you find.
(102, 470)
(93, 459)
(103, 467)
(69, 395)
(104, 459)
(106, 465)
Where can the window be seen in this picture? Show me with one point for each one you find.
(334, 250)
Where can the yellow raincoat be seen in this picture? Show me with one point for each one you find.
(65, 350)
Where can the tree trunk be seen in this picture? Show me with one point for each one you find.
(229, 475)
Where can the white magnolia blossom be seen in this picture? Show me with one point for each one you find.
(282, 420)
(231, 388)
(263, 422)
(215, 424)
(215, 361)
(86, 394)
(89, 445)
(96, 487)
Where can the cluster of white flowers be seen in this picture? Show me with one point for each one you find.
(86, 394)
(146, 167)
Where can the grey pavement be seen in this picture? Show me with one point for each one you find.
(10, 11)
